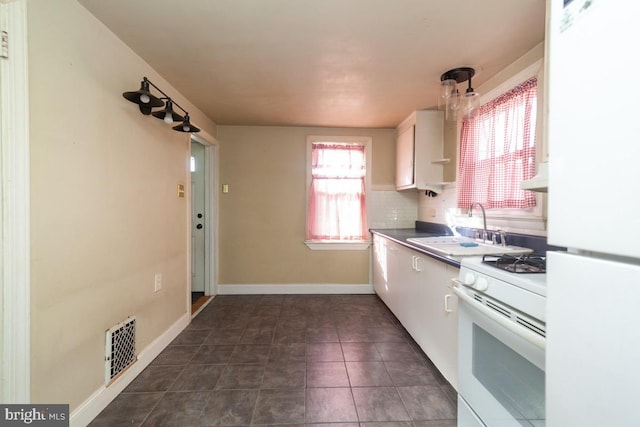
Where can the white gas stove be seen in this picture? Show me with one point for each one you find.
(524, 291)
(501, 341)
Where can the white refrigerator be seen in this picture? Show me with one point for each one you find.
(593, 299)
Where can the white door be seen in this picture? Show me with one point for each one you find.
(198, 217)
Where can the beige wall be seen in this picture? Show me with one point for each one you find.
(105, 216)
(262, 218)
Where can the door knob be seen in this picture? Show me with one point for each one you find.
(199, 226)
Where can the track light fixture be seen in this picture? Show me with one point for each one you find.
(186, 126)
(451, 100)
(167, 114)
(144, 98)
(147, 101)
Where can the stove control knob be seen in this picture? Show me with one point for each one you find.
(469, 279)
(481, 284)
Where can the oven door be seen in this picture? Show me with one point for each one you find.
(500, 368)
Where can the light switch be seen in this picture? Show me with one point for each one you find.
(225, 188)
(180, 190)
(157, 283)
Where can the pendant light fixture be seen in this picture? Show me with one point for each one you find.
(147, 101)
(454, 103)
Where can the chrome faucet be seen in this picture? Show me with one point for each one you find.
(503, 237)
(485, 232)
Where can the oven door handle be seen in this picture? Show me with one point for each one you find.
(522, 332)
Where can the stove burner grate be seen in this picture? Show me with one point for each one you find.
(517, 264)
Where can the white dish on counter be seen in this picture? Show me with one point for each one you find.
(457, 246)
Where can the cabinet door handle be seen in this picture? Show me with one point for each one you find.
(416, 263)
(446, 303)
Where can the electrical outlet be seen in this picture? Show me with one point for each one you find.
(432, 212)
(158, 282)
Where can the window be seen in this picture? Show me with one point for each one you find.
(497, 151)
(337, 189)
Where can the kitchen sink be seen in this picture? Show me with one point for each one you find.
(464, 246)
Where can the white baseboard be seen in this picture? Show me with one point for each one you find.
(90, 408)
(307, 289)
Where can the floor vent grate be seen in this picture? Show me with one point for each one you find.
(120, 352)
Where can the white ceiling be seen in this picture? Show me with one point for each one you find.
(342, 63)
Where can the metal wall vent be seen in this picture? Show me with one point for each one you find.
(120, 352)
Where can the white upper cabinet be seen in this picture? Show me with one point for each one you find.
(405, 177)
(419, 151)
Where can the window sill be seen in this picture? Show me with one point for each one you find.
(320, 245)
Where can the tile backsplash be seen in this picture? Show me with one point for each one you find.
(438, 209)
(393, 209)
(400, 209)
(443, 210)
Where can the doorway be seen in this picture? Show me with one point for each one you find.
(203, 222)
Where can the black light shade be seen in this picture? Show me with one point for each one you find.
(144, 98)
(167, 112)
(186, 126)
(145, 109)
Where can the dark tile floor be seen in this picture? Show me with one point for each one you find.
(288, 360)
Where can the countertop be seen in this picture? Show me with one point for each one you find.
(429, 229)
(400, 235)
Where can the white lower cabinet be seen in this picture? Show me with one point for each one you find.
(415, 287)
